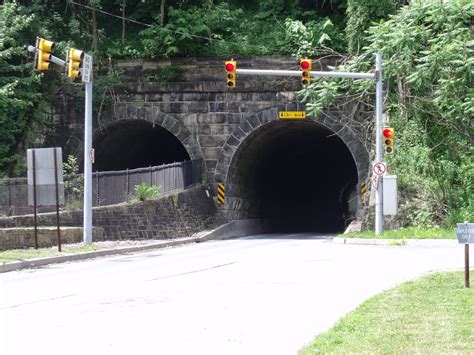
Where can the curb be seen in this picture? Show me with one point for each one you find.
(226, 231)
(440, 243)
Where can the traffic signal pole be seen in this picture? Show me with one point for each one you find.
(86, 76)
(53, 59)
(377, 76)
(378, 143)
(320, 74)
(87, 230)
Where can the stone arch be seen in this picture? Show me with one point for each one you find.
(168, 121)
(261, 149)
(348, 136)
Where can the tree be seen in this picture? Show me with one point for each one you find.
(428, 58)
(19, 86)
(361, 14)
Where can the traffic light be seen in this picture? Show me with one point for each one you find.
(74, 63)
(305, 66)
(230, 68)
(44, 48)
(388, 136)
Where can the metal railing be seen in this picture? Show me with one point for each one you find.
(108, 187)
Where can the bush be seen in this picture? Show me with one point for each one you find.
(145, 191)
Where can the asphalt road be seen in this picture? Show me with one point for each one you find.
(263, 294)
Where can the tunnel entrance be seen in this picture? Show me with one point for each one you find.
(298, 176)
(130, 144)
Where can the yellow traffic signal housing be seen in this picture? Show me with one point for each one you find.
(388, 139)
(230, 68)
(74, 62)
(44, 48)
(305, 66)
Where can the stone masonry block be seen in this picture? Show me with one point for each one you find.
(212, 141)
(212, 118)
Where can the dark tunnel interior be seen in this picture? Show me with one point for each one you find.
(299, 177)
(136, 143)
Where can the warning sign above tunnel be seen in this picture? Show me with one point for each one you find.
(295, 115)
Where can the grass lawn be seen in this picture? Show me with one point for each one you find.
(406, 233)
(432, 315)
(31, 253)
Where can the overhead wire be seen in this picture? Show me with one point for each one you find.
(137, 22)
(149, 25)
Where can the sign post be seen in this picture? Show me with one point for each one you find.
(45, 183)
(378, 142)
(465, 234)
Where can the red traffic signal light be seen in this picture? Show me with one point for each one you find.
(230, 68)
(305, 66)
(388, 132)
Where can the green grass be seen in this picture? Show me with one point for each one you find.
(31, 253)
(432, 315)
(406, 233)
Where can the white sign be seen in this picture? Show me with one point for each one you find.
(43, 174)
(380, 168)
(465, 233)
(390, 195)
(86, 68)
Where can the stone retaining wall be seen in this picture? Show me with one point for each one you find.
(172, 216)
(24, 237)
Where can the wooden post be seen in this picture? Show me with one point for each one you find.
(466, 265)
(34, 199)
(57, 197)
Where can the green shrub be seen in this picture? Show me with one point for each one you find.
(145, 191)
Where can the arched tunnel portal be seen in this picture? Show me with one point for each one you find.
(298, 176)
(130, 144)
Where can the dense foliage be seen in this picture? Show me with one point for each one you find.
(428, 75)
(19, 87)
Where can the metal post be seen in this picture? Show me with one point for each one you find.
(378, 143)
(88, 166)
(466, 265)
(314, 74)
(57, 198)
(98, 188)
(128, 186)
(34, 199)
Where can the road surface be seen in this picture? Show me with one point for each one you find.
(261, 294)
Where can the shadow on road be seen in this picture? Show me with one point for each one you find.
(296, 236)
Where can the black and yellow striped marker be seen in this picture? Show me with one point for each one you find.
(363, 190)
(220, 193)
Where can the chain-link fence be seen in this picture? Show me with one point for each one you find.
(108, 188)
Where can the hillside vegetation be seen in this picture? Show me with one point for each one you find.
(428, 64)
